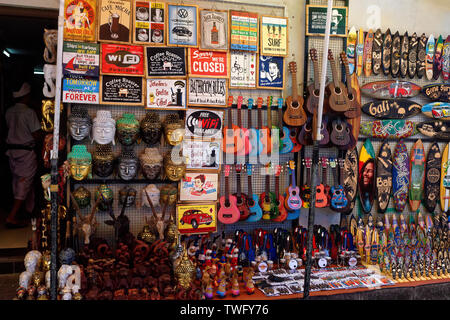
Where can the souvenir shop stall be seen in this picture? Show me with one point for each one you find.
(202, 156)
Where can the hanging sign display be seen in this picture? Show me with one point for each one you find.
(148, 26)
(80, 20)
(208, 63)
(242, 69)
(182, 25)
(196, 218)
(166, 94)
(80, 91)
(114, 20)
(271, 72)
(213, 30)
(207, 92)
(202, 123)
(316, 20)
(199, 186)
(274, 36)
(243, 31)
(122, 90)
(81, 59)
(120, 59)
(202, 154)
(167, 62)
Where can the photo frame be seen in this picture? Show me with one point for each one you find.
(212, 64)
(122, 59)
(165, 62)
(166, 94)
(149, 19)
(244, 31)
(243, 69)
(80, 20)
(122, 90)
(208, 92)
(204, 123)
(271, 73)
(182, 25)
(204, 215)
(114, 21)
(202, 155)
(199, 187)
(274, 36)
(213, 30)
(316, 17)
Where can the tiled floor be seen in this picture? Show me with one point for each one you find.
(13, 238)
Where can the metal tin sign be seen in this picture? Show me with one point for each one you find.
(207, 92)
(243, 69)
(244, 31)
(274, 36)
(208, 63)
(81, 59)
(271, 72)
(114, 20)
(80, 20)
(214, 30)
(167, 62)
(316, 20)
(199, 186)
(149, 22)
(182, 25)
(166, 94)
(201, 123)
(122, 59)
(81, 91)
(202, 154)
(122, 90)
(196, 218)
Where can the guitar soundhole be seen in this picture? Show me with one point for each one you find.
(294, 193)
(316, 92)
(339, 127)
(250, 203)
(295, 104)
(350, 96)
(337, 90)
(227, 203)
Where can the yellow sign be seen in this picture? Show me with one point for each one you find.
(274, 37)
(197, 218)
(80, 20)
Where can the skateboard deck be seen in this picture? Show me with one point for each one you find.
(437, 63)
(392, 109)
(432, 177)
(435, 129)
(446, 59)
(395, 55)
(388, 128)
(400, 176)
(437, 92)
(429, 57)
(384, 176)
(404, 55)
(417, 176)
(437, 110)
(421, 56)
(445, 180)
(351, 175)
(412, 55)
(351, 49)
(366, 176)
(360, 52)
(390, 89)
(367, 56)
(377, 52)
(387, 50)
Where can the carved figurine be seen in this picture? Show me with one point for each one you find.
(80, 124)
(87, 224)
(49, 88)
(151, 163)
(222, 288)
(248, 278)
(106, 196)
(129, 200)
(235, 284)
(127, 129)
(104, 128)
(174, 170)
(173, 129)
(80, 161)
(103, 160)
(82, 197)
(151, 128)
(168, 194)
(154, 194)
(128, 165)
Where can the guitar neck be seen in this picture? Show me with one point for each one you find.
(227, 188)
(335, 73)
(280, 120)
(239, 118)
(294, 87)
(294, 184)
(341, 173)
(269, 116)
(336, 180)
(250, 189)
(277, 185)
(249, 119)
(230, 118)
(238, 184)
(348, 79)
(308, 176)
(324, 175)
(267, 187)
(259, 118)
(316, 75)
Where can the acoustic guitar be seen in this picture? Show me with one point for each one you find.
(312, 102)
(253, 134)
(322, 190)
(252, 199)
(282, 212)
(338, 98)
(241, 198)
(264, 132)
(228, 212)
(354, 109)
(230, 142)
(286, 144)
(242, 136)
(294, 115)
(268, 199)
(305, 193)
(293, 200)
(340, 133)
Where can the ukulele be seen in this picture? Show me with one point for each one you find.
(242, 136)
(312, 102)
(294, 115)
(305, 135)
(252, 199)
(338, 99)
(253, 134)
(293, 133)
(268, 199)
(292, 215)
(282, 212)
(354, 108)
(230, 145)
(228, 212)
(293, 200)
(286, 144)
(340, 132)
(323, 190)
(241, 198)
(305, 193)
(264, 132)
(339, 199)
(274, 142)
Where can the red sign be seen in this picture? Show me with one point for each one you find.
(122, 59)
(208, 63)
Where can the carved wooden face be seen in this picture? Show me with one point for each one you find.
(103, 167)
(128, 168)
(80, 128)
(80, 168)
(103, 132)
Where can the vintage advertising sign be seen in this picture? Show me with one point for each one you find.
(80, 20)
(202, 123)
(199, 186)
(167, 62)
(81, 91)
(274, 36)
(201, 154)
(242, 69)
(271, 72)
(208, 63)
(243, 31)
(213, 30)
(122, 90)
(316, 19)
(166, 94)
(118, 59)
(196, 218)
(114, 20)
(182, 27)
(148, 26)
(207, 92)
(81, 59)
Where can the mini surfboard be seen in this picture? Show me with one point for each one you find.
(351, 175)
(392, 109)
(400, 176)
(430, 56)
(395, 55)
(355, 122)
(351, 48)
(390, 89)
(435, 129)
(412, 55)
(388, 128)
(437, 92)
(417, 175)
(437, 63)
(404, 54)
(366, 176)
(384, 176)
(367, 56)
(360, 52)
(432, 177)
(445, 180)
(387, 50)
(377, 52)
(446, 59)
(437, 110)
(421, 56)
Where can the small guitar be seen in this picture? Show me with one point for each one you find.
(293, 200)
(305, 135)
(312, 102)
(228, 212)
(305, 193)
(293, 133)
(292, 214)
(354, 109)
(253, 134)
(286, 144)
(340, 133)
(339, 199)
(282, 212)
(322, 192)
(252, 199)
(294, 115)
(230, 145)
(275, 141)
(242, 136)
(264, 132)
(241, 198)
(338, 99)
(268, 199)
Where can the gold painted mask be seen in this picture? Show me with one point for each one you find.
(174, 172)
(173, 129)
(168, 194)
(80, 162)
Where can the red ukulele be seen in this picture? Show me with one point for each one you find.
(228, 212)
(243, 133)
(241, 198)
(293, 133)
(230, 142)
(280, 199)
(264, 132)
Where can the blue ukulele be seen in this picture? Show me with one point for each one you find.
(252, 199)
(253, 134)
(286, 144)
(339, 199)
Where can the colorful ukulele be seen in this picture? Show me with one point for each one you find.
(294, 115)
(252, 199)
(305, 193)
(230, 145)
(339, 200)
(323, 196)
(268, 199)
(354, 109)
(264, 132)
(228, 212)
(282, 212)
(242, 133)
(253, 134)
(241, 198)
(293, 200)
(286, 144)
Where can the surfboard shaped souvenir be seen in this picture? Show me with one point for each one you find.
(388, 128)
(360, 52)
(446, 59)
(384, 176)
(356, 121)
(404, 55)
(437, 110)
(395, 55)
(421, 56)
(437, 60)
(445, 179)
(387, 50)
(432, 177)
(351, 49)
(367, 56)
(417, 175)
(437, 92)
(377, 52)
(412, 55)
(400, 176)
(392, 109)
(366, 176)
(390, 89)
(351, 163)
(429, 57)
(435, 129)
